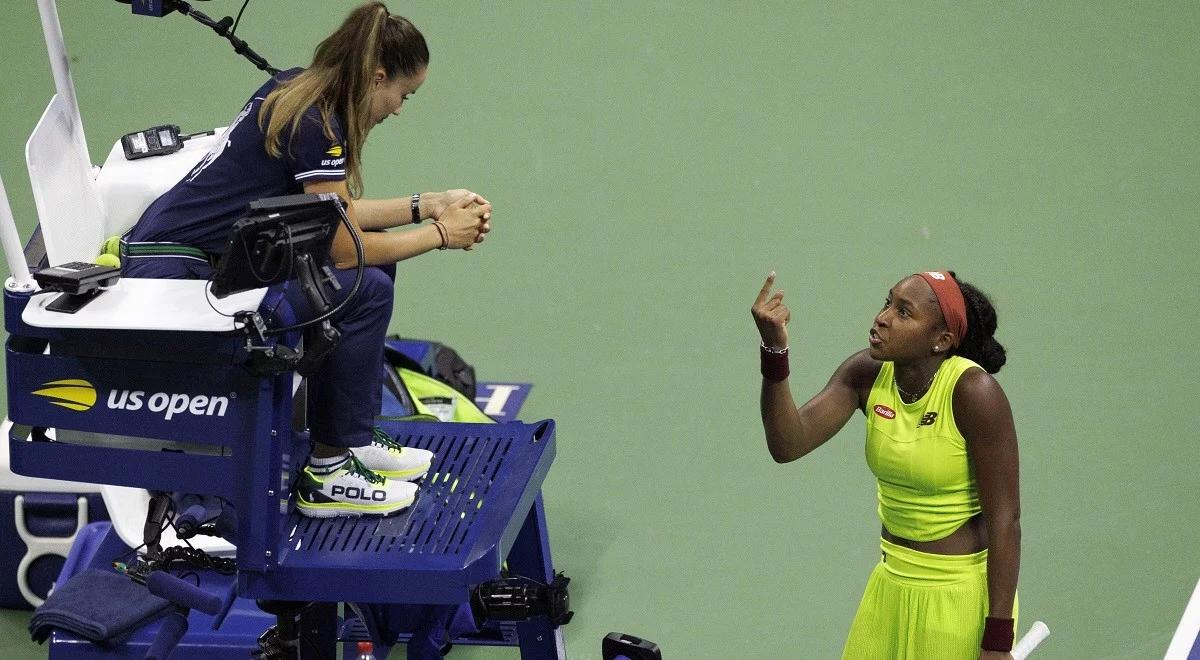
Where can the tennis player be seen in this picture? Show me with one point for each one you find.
(943, 448)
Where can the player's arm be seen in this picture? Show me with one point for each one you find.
(983, 416)
(463, 222)
(794, 432)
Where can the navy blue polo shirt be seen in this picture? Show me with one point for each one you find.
(200, 210)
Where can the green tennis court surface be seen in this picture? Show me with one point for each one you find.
(649, 163)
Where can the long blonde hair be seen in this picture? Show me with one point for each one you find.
(340, 79)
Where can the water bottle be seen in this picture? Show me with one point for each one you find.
(366, 651)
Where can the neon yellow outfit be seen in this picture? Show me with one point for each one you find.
(919, 605)
(926, 488)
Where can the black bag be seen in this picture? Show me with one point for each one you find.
(431, 358)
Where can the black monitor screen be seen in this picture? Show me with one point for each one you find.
(262, 247)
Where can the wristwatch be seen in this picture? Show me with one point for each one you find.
(416, 208)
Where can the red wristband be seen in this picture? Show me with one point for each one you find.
(997, 634)
(774, 364)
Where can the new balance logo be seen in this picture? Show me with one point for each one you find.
(356, 493)
(928, 419)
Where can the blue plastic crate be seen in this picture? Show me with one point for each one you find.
(36, 532)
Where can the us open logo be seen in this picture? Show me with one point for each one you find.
(169, 403)
(338, 158)
(71, 393)
(80, 395)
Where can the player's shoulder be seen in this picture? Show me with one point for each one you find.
(976, 388)
(860, 370)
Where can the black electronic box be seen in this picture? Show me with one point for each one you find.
(157, 141)
(77, 277)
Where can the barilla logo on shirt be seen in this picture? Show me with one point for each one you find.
(335, 151)
(885, 412)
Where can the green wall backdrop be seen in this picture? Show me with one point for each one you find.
(650, 162)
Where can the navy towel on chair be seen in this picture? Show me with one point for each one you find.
(99, 606)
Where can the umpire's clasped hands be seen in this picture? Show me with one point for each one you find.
(466, 216)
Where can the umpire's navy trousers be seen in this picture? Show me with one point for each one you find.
(344, 395)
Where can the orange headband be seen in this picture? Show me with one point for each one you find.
(950, 299)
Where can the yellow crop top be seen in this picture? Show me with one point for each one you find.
(926, 483)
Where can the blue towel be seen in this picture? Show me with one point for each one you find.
(99, 606)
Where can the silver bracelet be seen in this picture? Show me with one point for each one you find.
(770, 349)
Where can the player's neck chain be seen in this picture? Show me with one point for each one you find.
(910, 398)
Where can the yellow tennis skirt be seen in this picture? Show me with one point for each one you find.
(921, 606)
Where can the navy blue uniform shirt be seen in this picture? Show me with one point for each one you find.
(200, 210)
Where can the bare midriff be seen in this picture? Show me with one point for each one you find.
(968, 539)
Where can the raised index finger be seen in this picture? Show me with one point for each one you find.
(766, 289)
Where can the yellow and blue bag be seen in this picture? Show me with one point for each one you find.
(427, 380)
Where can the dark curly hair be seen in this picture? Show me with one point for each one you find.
(980, 345)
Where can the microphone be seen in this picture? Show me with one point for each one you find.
(160, 8)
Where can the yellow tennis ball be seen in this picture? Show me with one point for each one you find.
(112, 245)
(109, 260)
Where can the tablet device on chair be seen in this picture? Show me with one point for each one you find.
(263, 246)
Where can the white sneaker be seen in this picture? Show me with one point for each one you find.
(386, 457)
(351, 490)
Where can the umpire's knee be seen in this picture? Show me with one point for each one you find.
(375, 292)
